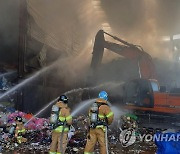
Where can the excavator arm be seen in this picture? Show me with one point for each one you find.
(125, 49)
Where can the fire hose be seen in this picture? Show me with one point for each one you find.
(106, 139)
(61, 139)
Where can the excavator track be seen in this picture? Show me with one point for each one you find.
(151, 120)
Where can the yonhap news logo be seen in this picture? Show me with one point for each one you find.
(128, 137)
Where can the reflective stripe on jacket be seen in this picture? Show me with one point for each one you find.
(64, 117)
(21, 131)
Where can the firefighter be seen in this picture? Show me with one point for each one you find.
(100, 116)
(20, 130)
(61, 121)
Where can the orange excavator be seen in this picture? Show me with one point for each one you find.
(143, 94)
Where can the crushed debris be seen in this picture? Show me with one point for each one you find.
(38, 134)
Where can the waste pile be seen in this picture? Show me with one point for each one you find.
(4, 85)
(7, 79)
(38, 135)
(37, 131)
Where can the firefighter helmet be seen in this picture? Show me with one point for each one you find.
(103, 95)
(18, 118)
(63, 98)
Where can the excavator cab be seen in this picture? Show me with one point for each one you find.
(139, 92)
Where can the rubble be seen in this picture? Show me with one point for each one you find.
(38, 134)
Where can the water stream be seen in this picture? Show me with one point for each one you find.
(26, 81)
(42, 110)
(7, 73)
(81, 105)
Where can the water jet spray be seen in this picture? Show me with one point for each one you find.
(24, 82)
(7, 73)
(43, 109)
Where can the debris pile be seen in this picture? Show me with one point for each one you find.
(38, 134)
(37, 131)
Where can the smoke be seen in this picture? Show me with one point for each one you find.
(72, 26)
(68, 23)
(144, 23)
(74, 70)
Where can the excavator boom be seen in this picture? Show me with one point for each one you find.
(125, 49)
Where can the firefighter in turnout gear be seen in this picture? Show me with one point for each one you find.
(61, 121)
(100, 116)
(20, 130)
